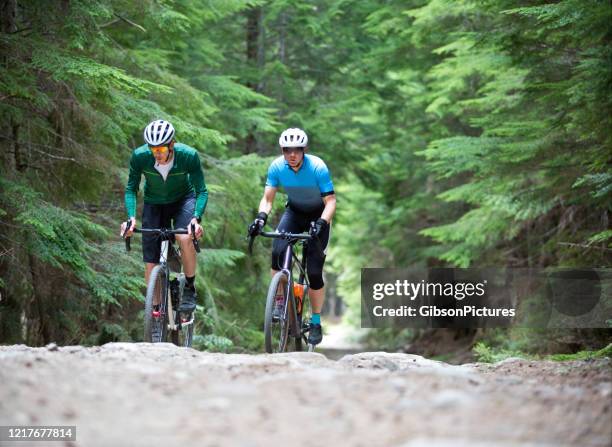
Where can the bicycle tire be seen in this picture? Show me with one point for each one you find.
(155, 329)
(184, 337)
(282, 325)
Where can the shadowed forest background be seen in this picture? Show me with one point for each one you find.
(458, 133)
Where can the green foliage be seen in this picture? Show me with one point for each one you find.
(212, 342)
(583, 355)
(103, 70)
(69, 241)
(601, 237)
(458, 133)
(112, 333)
(486, 354)
(388, 339)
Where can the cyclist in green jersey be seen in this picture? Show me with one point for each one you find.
(174, 194)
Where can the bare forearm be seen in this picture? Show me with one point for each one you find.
(330, 208)
(265, 206)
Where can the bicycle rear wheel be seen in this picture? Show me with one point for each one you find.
(302, 323)
(184, 336)
(156, 322)
(276, 333)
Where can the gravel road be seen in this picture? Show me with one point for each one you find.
(123, 394)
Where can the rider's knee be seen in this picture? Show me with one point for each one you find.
(316, 280)
(182, 238)
(277, 256)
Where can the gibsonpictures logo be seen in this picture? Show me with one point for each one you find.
(471, 298)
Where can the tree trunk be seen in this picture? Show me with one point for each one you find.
(253, 54)
(252, 38)
(8, 15)
(8, 24)
(282, 35)
(20, 163)
(38, 313)
(281, 38)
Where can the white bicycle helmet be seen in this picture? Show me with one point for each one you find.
(158, 133)
(293, 137)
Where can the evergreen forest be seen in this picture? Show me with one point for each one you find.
(458, 134)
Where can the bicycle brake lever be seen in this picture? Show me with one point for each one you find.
(127, 239)
(251, 240)
(315, 239)
(196, 243)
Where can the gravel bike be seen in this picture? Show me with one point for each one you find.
(292, 321)
(162, 320)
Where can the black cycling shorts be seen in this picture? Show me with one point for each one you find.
(170, 215)
(297, 222)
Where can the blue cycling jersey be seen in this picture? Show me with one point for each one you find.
(306, 187)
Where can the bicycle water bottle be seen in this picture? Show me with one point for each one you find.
(298, 293)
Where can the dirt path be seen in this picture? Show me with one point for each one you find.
(341, 340)
(124, 394)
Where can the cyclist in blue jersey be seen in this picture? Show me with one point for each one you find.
(306, 180)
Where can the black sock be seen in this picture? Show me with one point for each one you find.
(190, 281)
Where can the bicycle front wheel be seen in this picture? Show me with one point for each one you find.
(156, 307)
(276, 331)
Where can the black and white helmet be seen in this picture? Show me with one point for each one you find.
(293, 137)
(158, 133)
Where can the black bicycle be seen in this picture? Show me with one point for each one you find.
(291, 320)
(164, 293)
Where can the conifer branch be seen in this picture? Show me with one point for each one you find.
(121, 18)
(571, 244)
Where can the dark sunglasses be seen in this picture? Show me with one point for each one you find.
(286, 150)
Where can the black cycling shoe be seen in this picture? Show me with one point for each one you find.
(315, 334)
(188, 303)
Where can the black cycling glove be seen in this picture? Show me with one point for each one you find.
(319, 226)
(258, 224)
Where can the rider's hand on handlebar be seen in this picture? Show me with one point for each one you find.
(198, 228)
(258, 224)
(130, 231)
(319, 226)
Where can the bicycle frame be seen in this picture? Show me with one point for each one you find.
(174, 323)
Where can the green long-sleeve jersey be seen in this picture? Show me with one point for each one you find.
(186, 176)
